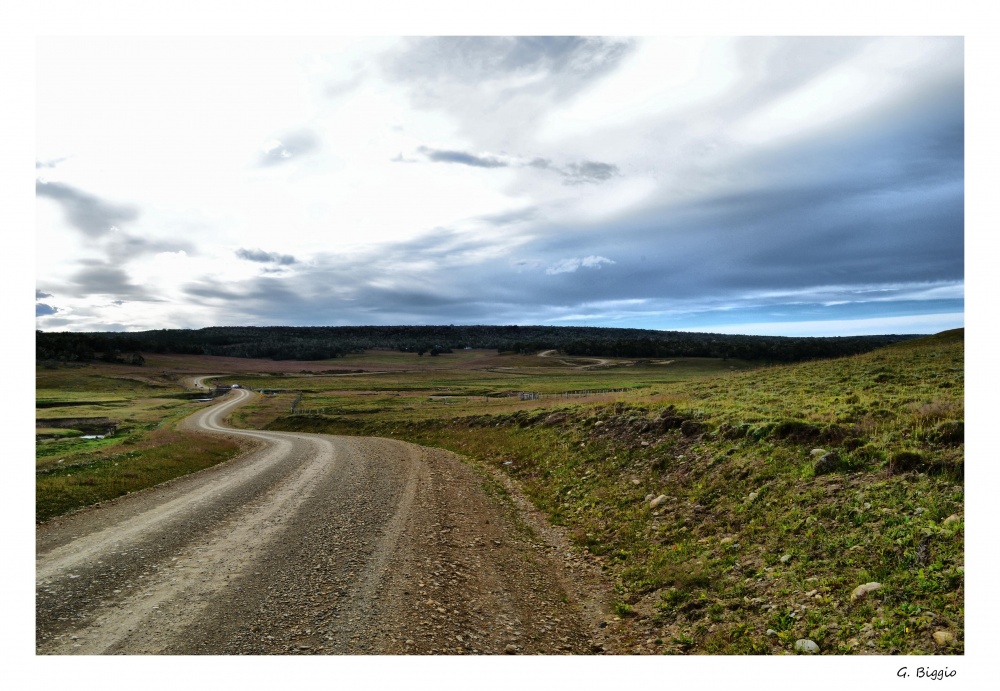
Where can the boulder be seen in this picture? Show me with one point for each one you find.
(952, 521)
(861, 592)
(804, 645)
(944, 638)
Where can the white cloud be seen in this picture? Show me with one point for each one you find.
(173, 127)
(564, 266)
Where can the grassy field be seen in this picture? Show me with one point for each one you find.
(135, 410)
(710, 499)
(736, 508)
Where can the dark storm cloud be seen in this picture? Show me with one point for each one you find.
(869, 213)
(207, 289)
(461, 157)
(91, 215)
(57, 321)
(258, 255)
(103, 221)
(98, 278)
(863, 216)
(39, 294)
(877, 200)
(290, 147)
(43, 310)
(867, 220)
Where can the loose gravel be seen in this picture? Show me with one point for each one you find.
(315, 544)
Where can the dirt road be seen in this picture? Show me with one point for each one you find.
(574, 362)
(313, 544)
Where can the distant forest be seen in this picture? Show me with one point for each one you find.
(324, 342)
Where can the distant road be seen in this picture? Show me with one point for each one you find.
(199, 381)
(310, 544)
(573, 361)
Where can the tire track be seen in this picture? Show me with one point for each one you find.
(308, 544)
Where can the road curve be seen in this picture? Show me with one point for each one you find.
(312, 544)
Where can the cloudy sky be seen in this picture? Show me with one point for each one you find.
(788, 186)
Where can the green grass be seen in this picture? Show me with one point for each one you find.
(750, 532)
(144, 450)
(160, 457)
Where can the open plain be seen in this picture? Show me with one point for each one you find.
(554, 505)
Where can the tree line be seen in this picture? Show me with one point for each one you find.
(325, 342)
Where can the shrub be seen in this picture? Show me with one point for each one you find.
(904, 461)
(949, 432)
(796, 430)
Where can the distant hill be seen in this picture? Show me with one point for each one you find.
(943, 338)
(324, 342)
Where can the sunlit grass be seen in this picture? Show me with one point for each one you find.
(157, 458)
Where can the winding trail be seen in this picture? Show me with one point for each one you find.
(312, 544)
(571, 361)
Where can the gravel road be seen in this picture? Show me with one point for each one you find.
(315, 544)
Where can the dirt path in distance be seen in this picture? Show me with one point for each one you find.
(573, 362)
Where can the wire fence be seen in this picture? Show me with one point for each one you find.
(459, 399)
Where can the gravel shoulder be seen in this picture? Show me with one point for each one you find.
(315, 544)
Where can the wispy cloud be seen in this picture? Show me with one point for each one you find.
(87, 213)
(289, 147)
(653, 182)
(570, 265)
(575, 173)
(561, 65)
(589, 172)
(98, 278)
(50, 164)
(466, 159)
(258, 255)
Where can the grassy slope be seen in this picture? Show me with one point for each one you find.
(72, 472)
(752, 549)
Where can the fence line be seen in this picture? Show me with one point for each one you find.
(450, 400)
